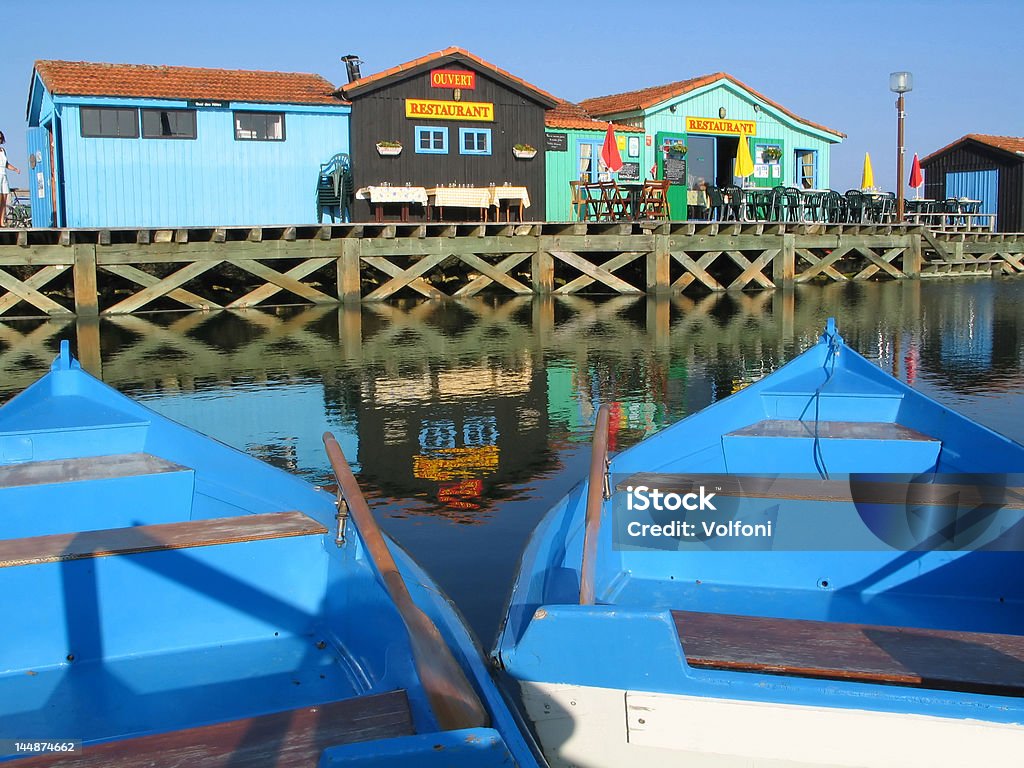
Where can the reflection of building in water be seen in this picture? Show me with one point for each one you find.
(278, 423)
(639, 396)
(456, 437)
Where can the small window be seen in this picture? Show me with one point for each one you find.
(110, 122)
(431, 140)
(475, 141)
(168, 123)
(259, 126)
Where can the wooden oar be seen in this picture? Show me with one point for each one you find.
(595, 500)
(452, 698)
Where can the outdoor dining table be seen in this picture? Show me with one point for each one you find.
(459, 197)
(382, 195)
(512, 196)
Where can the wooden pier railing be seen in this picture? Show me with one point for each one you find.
(46, 272)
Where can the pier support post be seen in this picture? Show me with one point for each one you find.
(658, 266)
(349, 287)
(912, 256)
(784, 264)
(87, 302)
(542, 269)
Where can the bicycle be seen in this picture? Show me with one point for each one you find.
(19, 212)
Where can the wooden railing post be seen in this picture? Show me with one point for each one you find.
(595, 503)
(452, 699)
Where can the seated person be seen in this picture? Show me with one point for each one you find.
(700, 205)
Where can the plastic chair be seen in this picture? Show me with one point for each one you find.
(334, 189)
(811, 206)
(855, 206)
(718, 205)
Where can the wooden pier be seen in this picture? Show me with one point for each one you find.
(87, 272)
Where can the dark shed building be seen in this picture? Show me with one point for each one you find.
(986, 168)
(457, 119)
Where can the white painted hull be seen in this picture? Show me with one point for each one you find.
(588, 727)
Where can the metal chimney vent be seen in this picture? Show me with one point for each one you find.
(352, 63)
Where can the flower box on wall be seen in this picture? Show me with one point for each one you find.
(388, 148)
(524, 151)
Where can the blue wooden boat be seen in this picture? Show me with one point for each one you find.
(168, 600)
(856, 601)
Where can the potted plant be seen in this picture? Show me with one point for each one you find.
(675, 149)
(389, 148)
(771, 154)
(523, 151)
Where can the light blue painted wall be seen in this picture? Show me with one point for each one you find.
(210, 181)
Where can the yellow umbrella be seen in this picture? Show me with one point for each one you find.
(867, 179)
(744, 163)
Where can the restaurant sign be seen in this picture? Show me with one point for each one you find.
(429, 109)
(453, 78)
(712, 125)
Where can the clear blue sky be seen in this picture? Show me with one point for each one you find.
(826, 60)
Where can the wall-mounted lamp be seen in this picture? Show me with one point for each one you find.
(672, 109)
(757, 107)
(721, 112)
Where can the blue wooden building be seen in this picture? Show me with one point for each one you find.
(120, 145)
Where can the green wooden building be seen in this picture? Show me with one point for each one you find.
(710, 115)
(573, 142)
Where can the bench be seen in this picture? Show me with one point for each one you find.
(290, 739)
(972, 662)
(150, 538)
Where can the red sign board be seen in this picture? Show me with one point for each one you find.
(453, 78)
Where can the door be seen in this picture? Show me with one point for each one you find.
(673, 167)
(40, 177)
(976, 185)
(700, 160)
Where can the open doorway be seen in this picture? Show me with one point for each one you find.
(726, 164)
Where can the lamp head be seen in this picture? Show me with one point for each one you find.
(901, 82)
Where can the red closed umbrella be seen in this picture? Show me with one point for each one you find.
(916, 179)
(610, 151)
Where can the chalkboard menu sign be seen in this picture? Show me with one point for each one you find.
(675, 170)
(629, 172)
(556, 142)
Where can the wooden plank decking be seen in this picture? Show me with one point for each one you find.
(291, 739)
(922, 658)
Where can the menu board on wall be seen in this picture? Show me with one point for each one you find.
(629, 172)
(556, 142)
(675, 170)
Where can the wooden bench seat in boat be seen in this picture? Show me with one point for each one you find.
(290, 739)
(830, 430)
(150, 538)
(84, 469)
(972, 662)
(841, 490)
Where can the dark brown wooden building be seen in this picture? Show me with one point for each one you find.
(981, 167)
(457, 118)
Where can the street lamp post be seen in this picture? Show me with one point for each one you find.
(900, 83)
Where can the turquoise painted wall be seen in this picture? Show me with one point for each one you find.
(561, 168)
(739, 105)
(212, 180)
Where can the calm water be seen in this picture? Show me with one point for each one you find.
(466, 420)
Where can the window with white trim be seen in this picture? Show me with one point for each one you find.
(259, 126)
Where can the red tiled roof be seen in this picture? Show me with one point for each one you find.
(452, 52)
(573, 116)
(1012, 144)
(634, 101)
(83, 78)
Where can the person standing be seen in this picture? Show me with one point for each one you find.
(5, 188)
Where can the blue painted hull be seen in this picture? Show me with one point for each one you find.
(828, 419)
(159, 639)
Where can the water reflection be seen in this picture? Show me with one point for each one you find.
(465, 420)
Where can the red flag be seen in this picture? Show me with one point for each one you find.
(916, 179)
(610, 151)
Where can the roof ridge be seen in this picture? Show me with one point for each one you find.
(113, 64)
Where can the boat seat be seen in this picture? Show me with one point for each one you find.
(796, 445)
(972, 662)
(290, 739)
(150, 538)
(84, 469)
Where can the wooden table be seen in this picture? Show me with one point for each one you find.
(514, 196)
(379, 196)
(459, 197)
